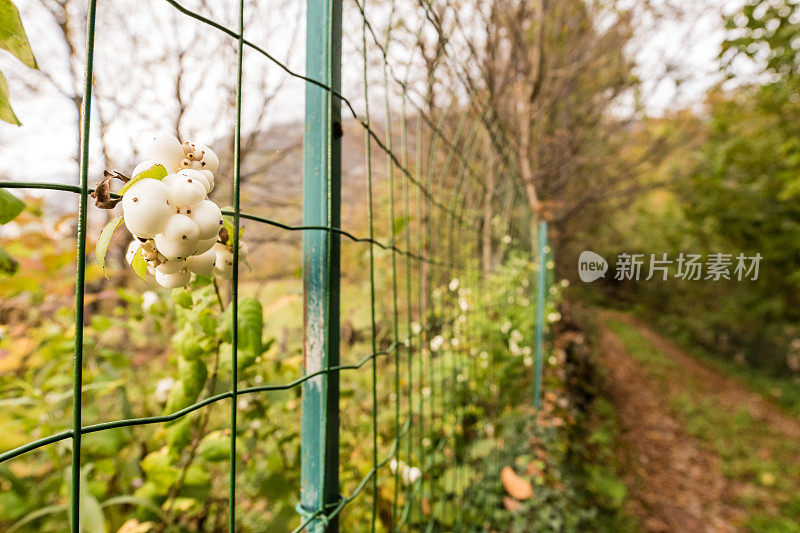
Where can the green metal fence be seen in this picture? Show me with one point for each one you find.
(444, 181)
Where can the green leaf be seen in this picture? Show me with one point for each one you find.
(482, 448)
(149, 491)
(186, 390)
(451, 480)
(160, 470)
(197, 484)
(207, 321)
(8, 265)
(215, 447)
(156, 172)
(103, 241)
(12, 505)
(10, 206)
(224, 326)
(187, 343)
(6, 113)
(193, 375)
(201, 281)
(12, 34)
(139, 264)
(179, 436)
(183, 298)
(251, 326)
(400, 224)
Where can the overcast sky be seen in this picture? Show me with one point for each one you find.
(41, 149)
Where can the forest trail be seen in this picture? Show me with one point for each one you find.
(679, 482)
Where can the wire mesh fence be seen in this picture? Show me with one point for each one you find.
(441, 203)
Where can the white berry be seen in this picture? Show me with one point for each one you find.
(202, 264)
(181, 227)
(185, 191)
(146, 208)
(205, 245)
(223, 264)
(173, 250)
(208, 218)
(169, 179)
(196, 175)
(171, 267)
(210, 160)
(179, 239)
(210, 177)
(173, 281)
(167, 150)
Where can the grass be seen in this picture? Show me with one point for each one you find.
(783, 391)
(762, 461)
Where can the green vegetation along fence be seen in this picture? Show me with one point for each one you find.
(445, 210)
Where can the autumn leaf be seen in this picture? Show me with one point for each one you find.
(515, 486)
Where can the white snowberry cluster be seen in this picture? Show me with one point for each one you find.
(172, 220)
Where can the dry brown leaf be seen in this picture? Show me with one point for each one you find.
(102, 193)
(515, 486)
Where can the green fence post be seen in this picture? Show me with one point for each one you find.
(321, 207)
(540, 299)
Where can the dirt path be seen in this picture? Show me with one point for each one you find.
(675, 482)
(728, 391)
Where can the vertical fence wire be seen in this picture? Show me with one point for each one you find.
(237, 156)
(409, 342)
(373, 319)
(80, 278)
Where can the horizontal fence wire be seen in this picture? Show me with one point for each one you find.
(34, 185)
(441, 192)
(16, 452)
